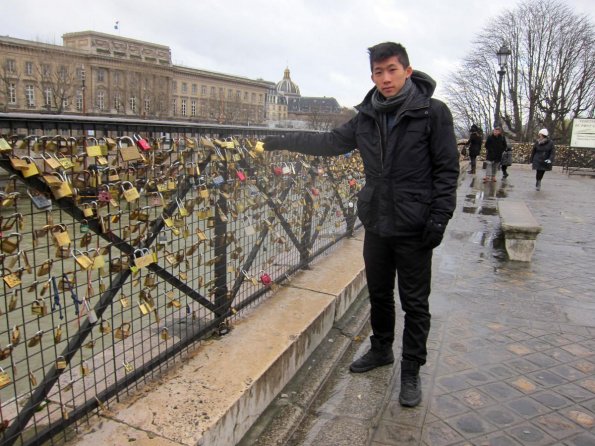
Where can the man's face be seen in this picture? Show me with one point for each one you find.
(389, 76)
(497, 132)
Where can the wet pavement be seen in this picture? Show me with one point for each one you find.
(512, 346)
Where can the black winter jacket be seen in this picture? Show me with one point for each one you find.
(542, 152)
(495, 147)
(474, 142)
(411, 173)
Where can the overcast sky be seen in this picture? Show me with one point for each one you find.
(323, 42)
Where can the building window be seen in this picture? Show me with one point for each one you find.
(117, 78)
(203, 90)
(100, 100)
(174, 107)
(11, 66)
(221, 93)
(29, 68)
(133, 104)
(79, 100)
(260, 99)
(183, 107)
(184, 87)
(174, 85)
(246, 96)
(117, 101)
(45, 70)
(62, 73)
(12, 93)
(48, 97)
(30, 95)
(147, 106)
(213, 92)
(100, 75)
(194, 89)
(253, 98)
(193, 108)
(230, 94)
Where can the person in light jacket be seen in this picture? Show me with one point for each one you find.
(542, 156)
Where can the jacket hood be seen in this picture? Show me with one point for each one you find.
(424, 83)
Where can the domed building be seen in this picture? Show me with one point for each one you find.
(287, 87)
(302, 111)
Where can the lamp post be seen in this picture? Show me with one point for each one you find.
(83, 87)
(502, 54)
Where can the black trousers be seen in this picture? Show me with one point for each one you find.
(403, 259)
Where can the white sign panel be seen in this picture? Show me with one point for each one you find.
(583, 133)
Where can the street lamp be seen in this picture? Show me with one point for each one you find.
(83, 86)
(502, 54)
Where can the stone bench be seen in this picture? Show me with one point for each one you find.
(520, 229)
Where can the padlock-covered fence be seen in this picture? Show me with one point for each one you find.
(123, 244)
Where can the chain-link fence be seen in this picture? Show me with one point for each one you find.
(121, 252)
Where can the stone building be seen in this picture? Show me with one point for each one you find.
(102, 74)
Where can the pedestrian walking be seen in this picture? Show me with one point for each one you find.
(474, 143)
(495, 145)
(411, 163)
(542, 156)
(506, 160)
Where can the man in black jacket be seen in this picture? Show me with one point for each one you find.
(409, 151)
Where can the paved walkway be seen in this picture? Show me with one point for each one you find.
(512, 346)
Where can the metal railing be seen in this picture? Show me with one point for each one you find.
(120, 252)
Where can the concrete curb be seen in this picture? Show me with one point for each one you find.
(216, 395)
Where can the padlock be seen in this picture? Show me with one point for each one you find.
(50, 161)
(15, 336)
(4, 378)
(123, 331)
(58, 334)
(35, 340)
(60, 234)
(240, 175)
(7, 244)
(265, 279)
(130, 191)
(141, 142)
(103, 194)
(61, 363)
(105, 327)
(164, 333)
(11, 279)
(88, 211)
(30, 168)
(40, 200)
(85, 370)
(143, 257)
(112, 175)
(38, 307)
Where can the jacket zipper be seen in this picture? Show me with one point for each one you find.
(381, 148)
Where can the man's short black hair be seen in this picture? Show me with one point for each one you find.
(383, 51)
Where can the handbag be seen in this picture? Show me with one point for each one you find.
(506, 158)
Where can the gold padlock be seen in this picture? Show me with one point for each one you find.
(105, 327)
(164, 333)
(4, 378)
(60, 234)
(38, 307)
(58, 334)
(123, 331)
(130, 191)
(82, 259)
(61, 363)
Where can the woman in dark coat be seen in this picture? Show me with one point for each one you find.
(474, 143)
(542, 156)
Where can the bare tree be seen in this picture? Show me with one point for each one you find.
(9, 78)
(550, 77)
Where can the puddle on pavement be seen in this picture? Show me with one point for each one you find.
(487, 211)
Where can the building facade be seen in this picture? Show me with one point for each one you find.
(103, 74)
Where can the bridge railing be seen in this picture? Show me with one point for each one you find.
(120, 251)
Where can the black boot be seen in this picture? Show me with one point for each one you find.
(410, 395)
(375, 357)
(538, 185)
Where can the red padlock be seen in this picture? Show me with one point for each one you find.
(141, 142)
(265, 279)
(278, 170)
(315, 192)
(241, 175)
